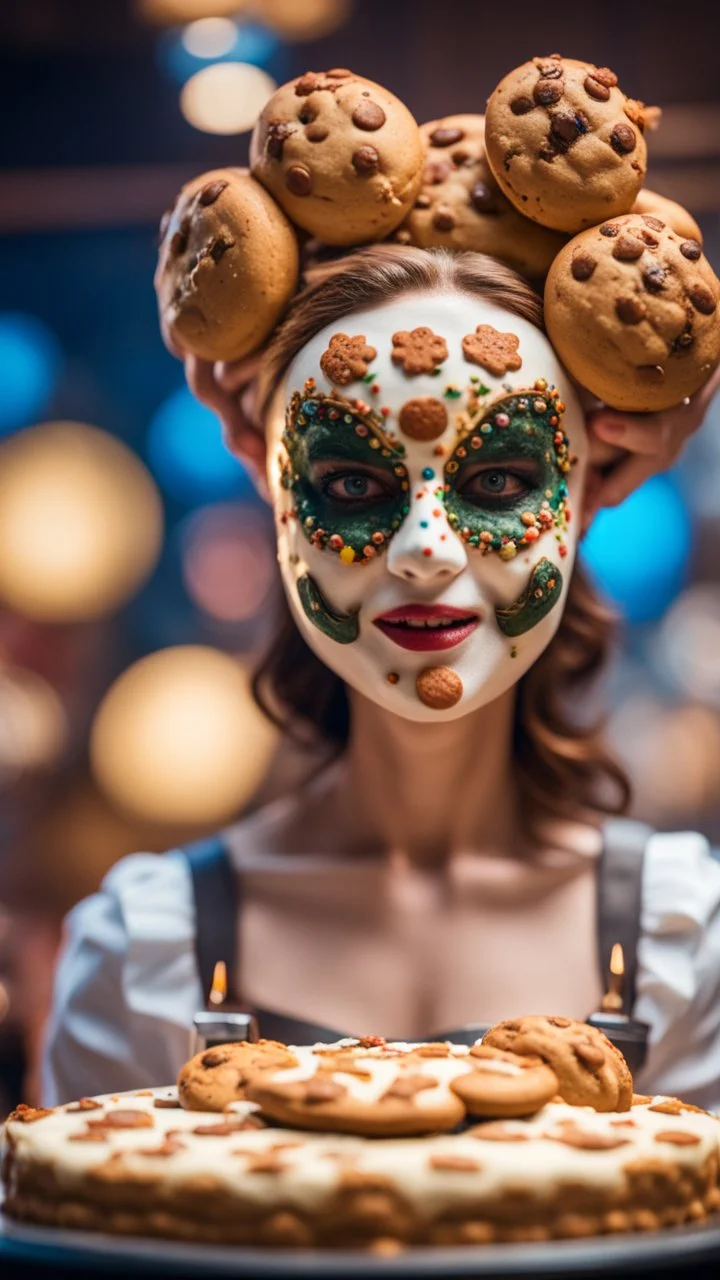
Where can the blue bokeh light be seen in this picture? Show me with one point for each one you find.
(253, 43)
(186, 453)
(30, 366)
(638, 553)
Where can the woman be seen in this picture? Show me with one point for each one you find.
(426, 459)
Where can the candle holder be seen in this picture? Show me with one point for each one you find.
(221, 1026)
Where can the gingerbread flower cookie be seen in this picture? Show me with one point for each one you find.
(418, 350)
(565, 144)
(216, 1077)
(460, 205)
(341, 155)
(227, 269)
(590, 1071)
(497, 352)
(631, 308)
(347, 358)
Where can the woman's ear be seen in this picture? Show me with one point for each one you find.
(229, 390)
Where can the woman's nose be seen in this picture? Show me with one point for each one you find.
(425, 549)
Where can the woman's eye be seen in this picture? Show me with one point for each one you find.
(496, 482)
(353, 486)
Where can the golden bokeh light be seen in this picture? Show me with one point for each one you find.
(226, 97)
(302, 19)
(168, 12)
(209, 37)
(33, 725)
(80, 523)
(178, 738)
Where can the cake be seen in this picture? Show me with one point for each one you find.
(143, 1164)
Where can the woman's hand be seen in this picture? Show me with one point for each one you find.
(627, 448)
(228, 389)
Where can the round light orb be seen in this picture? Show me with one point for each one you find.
(624, 558)
(178, 738)
(227, 562)
(168, 12)
(209, 37)
(302, 19)
(30, 364)
(226, 97)
(187, 454)
(33, 724)
(81, 523)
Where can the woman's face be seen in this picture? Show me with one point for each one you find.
(424, 460)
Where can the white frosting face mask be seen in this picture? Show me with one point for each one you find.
(424, 459)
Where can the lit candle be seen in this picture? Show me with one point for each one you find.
(221, 1023)
(628, 1034)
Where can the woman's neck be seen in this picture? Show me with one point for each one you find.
(425, 791)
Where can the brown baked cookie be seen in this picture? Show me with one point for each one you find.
(368, 1092)
(228, 267)
(565, 144)
(342, 155)
(676, 217)
(216, 1077)
(504, 1085)
(418, 350)
(347, 358)
(631, 308)
(460, 205)
(497, 352)
(591, 1072)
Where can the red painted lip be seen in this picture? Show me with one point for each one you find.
(458, 625)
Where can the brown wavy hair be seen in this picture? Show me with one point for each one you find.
(564, 768)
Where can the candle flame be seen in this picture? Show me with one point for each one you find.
(617, 961)
(218, 990)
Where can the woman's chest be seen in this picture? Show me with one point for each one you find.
(406, 953)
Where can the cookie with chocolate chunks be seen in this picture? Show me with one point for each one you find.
(631, 308)
(565, 143)
(218, 1076)
(227, 268)
(590, 1071)
(677, 218)
(460, 205)
(341, 154)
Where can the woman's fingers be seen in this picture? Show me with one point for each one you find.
(233, 375)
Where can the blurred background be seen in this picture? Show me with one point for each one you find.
(136, 563)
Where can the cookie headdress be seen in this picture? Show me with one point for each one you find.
(549, 182)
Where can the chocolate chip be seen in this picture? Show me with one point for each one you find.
(647, 237)
(604, 76)
(654, 223)
(436, 171)
(298, 180)
(683, 342)
(628, 248)
(179, 242)
(211, 191)
(582, 266)
(691, 249)
(167, 1103)
(654, 278)
(445, 137)
(596, 90)
(549, 68)
(219, 248)
(521, 106)
(702, 299)
(461, 157)
(278, 131)
(630, 310)
(318, 1090)
(483, 197)
(609, 229)
(368, 115)
(316, 132)
(214, 1058)
(366, 161)
(623, 139)
(546, 92)
(565, 127)
(443, 220)
(589, 1055)
(307, 84)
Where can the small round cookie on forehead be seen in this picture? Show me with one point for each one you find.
(427, 450)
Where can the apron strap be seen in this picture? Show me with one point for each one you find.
(217, 903)
(619, 899)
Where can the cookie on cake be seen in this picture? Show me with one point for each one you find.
(228, 266)
(460, 205)
(631, 308)
(564, 142)
(590, 1071)
(677, 217)
(216, 1077)
(341, 154)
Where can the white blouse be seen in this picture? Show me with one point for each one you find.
(127, 984)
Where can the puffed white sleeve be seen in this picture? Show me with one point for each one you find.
(126, 984)
(678, 981)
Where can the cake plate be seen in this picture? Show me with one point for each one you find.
(682, 1250)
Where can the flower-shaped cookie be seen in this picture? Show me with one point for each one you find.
(347, 358)
(497, 352)
(418, 350)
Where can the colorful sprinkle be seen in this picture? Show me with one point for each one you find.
(428, 473)
(427, 551)
(392, 677)
(347, 555)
